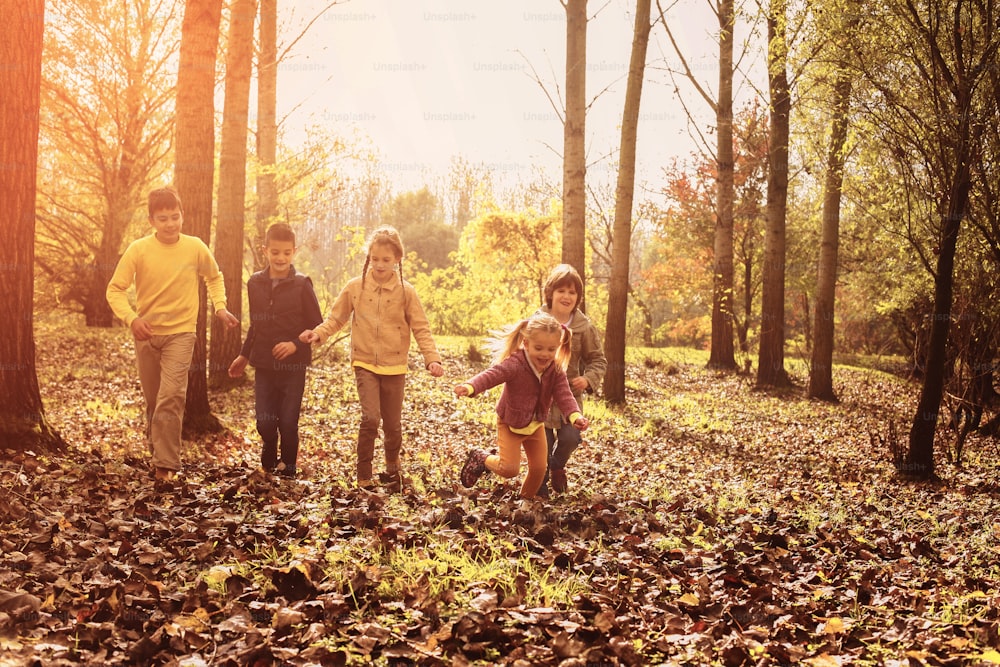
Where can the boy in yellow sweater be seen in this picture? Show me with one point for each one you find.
(165, 268)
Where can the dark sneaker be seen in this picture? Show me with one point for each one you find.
(474, 468)
(557, 477)
(391, 481)
(285, 471)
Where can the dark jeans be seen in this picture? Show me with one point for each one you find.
(278, 399)
(562, 443)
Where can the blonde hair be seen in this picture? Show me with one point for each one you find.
(506, 342)
(387, 235)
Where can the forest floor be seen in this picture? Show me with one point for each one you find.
(706, 523)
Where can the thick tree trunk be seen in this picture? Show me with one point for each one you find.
(232, 187)
(574, 148)
(771, 357)
(194, 172)
(722, 355)
(614, 346)
(22, 417)
(821, 374)
(267, 124)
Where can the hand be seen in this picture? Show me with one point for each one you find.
(309, 336)
(436, 369)
(461, 390)
(227, 318)
(283, 350)
(582, 423)
(579, 383)
(141, 329)
(238, 366)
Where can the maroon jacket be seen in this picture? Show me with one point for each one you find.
(525, 397)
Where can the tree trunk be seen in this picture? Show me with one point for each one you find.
(722, 355)
(771, 356)
(821, 373)
(22, 417)
(267, 124)
(194, 173)
(920, 458)
(226, 342)
(614, 347)
(574, 148)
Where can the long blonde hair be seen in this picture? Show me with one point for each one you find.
(506, 342)
(388, 235)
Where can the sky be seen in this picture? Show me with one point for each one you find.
(427, 80)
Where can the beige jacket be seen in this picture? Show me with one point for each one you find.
(383, 318)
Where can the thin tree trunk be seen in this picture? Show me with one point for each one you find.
(267, 124)
(574, 149)
(22, 417)
(232, 187)
(821, 373)
(194, 172)
(614, 347)
(771, 357)
(722, 355)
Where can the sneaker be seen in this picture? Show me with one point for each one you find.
(474, 468)
(165, 474)
(391, 481)
(366, 484)
(557, 477)
(284, 471)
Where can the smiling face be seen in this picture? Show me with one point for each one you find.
(382, 260)
(541, 348)
(564, 300)
(168, 223)
(279, 257)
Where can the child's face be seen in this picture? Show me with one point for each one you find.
(279, 257)
(382, 260)
(564, 300)
(541, 348)
(167, 222)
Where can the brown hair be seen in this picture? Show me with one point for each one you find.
(563, 275)
(164, 198)
(279, 231)
(387, 235)
(505, 342)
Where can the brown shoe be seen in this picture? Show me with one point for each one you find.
(165, 474)
(557, 477)
(475, 466)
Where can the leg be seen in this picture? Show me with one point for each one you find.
(294, 384)
(568, 438)
(148, 360)
(550, 440)
(168, 416)
(371, 415)
(508, 462)
(267, 396)
(536, 451)
(391, 400)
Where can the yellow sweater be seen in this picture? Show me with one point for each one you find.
(166, 283)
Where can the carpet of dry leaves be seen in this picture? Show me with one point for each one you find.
(706, 524)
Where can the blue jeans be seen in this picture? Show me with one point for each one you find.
(562, 443)
(278, 400)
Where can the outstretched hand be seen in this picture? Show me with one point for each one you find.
(309, 336)
(582, 423)
(435, 368)
(461, 390)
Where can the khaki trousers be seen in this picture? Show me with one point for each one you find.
(163, 373)
(381, 398)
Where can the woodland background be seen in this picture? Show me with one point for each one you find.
(848, 205)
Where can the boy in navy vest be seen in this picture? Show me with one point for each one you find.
(282, 304)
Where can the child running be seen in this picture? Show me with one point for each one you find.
(384, 312)
(587, 365)
(282, 304)
(529, 359)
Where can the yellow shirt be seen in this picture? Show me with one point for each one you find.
(166, 278)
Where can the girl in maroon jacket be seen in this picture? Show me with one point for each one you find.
(530, 361)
